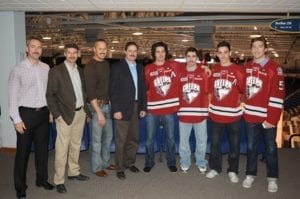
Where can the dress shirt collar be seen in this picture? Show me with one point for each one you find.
(263, 62)
(130, 64)
(69, 67)
(29, 64)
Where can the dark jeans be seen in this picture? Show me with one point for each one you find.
(168, 122)
(234, 134)
(37, 131)
(255, 132)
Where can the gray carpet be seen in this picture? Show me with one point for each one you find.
(160, 183)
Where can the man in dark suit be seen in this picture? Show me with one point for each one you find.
(128, 104)
(66, 101)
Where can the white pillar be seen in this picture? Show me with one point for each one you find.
(13, 42)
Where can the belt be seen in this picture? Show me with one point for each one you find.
(32, 109)
(102, 101)
(78, 109)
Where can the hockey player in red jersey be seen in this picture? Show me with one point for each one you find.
(162, 103)
(226, 86)
(264, 95)
(193, 111)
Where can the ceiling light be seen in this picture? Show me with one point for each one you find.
(137, 33)
(254, 27)
(254, 36)
(184, 40)
(115, 42)
(276, 55)
(47, 38)
(236, 52)
(61, 46)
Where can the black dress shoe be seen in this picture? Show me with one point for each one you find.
(21, 195)
(79, 177)
(60, 188)
(121, 175)
(173, 168)
(147, 169)
(46, 185)
(134, 169)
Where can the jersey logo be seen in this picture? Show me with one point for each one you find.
(190, 92)
(162, 85)
(253, 86)
(222, 88)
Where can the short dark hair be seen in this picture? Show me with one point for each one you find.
(224, 44)
(159, 44)
(73, 45)
(100, 40)
(261, 38)
(130, 43)
(192, 49)
(29, 39)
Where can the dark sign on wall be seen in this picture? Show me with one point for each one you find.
(291, 25)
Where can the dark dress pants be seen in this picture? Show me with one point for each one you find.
(37, 131)
(127, 141)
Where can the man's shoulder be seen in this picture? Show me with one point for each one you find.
(57, 68)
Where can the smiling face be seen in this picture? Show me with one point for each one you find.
(258, 51)
(34, 49)
(160, 54)
(223, 54)
(131, 53)
(71, 55)
(100, 50)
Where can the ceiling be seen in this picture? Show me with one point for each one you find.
(180, 23)
(258, 6)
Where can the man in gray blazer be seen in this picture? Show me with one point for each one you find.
(66, 101)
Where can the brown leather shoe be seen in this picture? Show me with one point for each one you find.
(111, 167)
(101, 173)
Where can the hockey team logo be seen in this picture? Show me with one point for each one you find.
(253, 86)
(222, 88)
(162, 85)
(190, 92)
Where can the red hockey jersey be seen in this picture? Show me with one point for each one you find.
(193, 95)
(226, 86)
(264, 92)
(162, 87)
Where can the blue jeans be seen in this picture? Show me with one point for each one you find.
(152, 123)
(255, 132)
(234, 134)
(200, 130)
(100, 140)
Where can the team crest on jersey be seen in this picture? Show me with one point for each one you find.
(222, 88)
(190, 92)
(253, 86)
(162, 84)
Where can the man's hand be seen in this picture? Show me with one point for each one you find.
(50, 118)
(267, 125)
(142, 114)
(20, 127)
(118, 115)
(101, 119)
(206, 69)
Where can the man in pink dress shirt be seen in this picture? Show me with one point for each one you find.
(28, 110)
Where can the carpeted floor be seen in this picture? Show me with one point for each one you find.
(159, 183)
